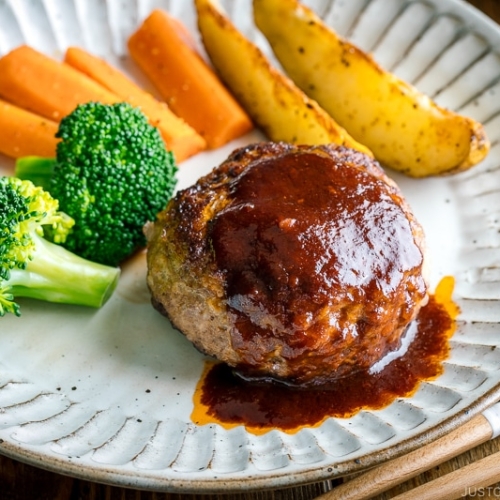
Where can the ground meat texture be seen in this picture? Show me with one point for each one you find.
(297, 263)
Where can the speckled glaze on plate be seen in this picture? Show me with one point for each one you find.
(106, 395)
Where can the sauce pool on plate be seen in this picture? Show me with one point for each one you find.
(222, 397)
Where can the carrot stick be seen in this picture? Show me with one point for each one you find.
(45, 86)
(24, 134)
(186, 82)
(179, 137)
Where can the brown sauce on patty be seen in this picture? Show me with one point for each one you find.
(320, 263)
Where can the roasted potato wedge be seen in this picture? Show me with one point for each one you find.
(273, 101)
(405, 129)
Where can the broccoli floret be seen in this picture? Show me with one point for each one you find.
(112, 174)
(30, 265)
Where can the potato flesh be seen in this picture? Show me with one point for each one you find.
(275, 104)
(405, 129)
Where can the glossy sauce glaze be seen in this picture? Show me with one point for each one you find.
(321, 265)
(224, 398)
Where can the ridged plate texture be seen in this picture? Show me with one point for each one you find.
(106, 395)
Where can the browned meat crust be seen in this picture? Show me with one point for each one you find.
(298, 263)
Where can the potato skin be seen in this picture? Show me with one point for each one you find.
(273, 101)
(405, 129)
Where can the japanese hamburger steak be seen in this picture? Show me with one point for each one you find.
(300, 264)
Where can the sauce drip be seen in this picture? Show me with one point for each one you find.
(225, 398)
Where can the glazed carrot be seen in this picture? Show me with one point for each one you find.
(23, 133)
(179, 137)
(186, 82)
(40, 84)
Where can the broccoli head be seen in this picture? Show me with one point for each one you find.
(112, 174)
(32, 266)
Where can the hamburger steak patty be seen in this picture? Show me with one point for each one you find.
(296, 263)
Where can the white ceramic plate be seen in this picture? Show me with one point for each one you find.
(106, 395)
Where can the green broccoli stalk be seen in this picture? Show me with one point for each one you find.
(31, 266)
(112, 174)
